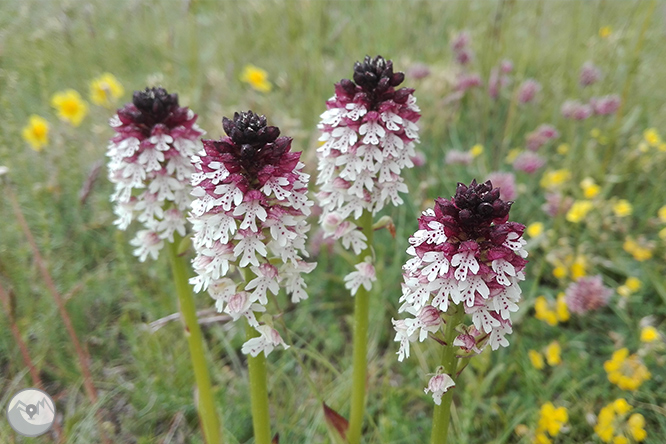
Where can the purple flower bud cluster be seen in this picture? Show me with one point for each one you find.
(250, 211)
(465, 254)
(150, 167)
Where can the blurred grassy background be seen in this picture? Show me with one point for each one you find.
(198, 50)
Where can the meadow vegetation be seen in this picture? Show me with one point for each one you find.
(589, 186)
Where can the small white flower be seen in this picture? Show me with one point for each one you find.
(438, 385)
(269, 339)
(364, 275)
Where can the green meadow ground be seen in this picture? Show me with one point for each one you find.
(198, 49)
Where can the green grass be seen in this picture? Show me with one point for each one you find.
(198, 49)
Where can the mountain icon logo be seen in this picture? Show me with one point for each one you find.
(31, 412)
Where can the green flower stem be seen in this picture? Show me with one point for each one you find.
(442, 415)
(261, 421)
(207, 412)
(361, 314)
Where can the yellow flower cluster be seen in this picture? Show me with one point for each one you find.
(105, 90)
(553, 179)
(534, 229)
(605, 32)
(476, 150)
(627, 372)
(70, 106)
(576, 267)
(649, 334)
(551, 315)
(590, 188)
(630, 286)
(553, 354)
(579, 210)
(551, 421)
(611, 427)
(36, 132)
(639, 252)
(622, 208)
(652, 139)
(257, 78)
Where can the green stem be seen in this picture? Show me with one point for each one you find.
(258, 393)
(361, 315)
(442, 415)
(207, 412)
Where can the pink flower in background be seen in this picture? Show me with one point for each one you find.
(589, 74)
(499, 78)
(587, 294)
(467, 81)
(605, 105)
(506, 182)
(457, 157)
(556, 204)
(250, 212)
(418, 71)
(574, 109)
(461, 51)
(506, 66)
(528, 162)
(464, 253)
(460, 41)
(537, 138)
(150, 167)
(528, 90)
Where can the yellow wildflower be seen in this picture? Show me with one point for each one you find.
(649, 334)
(612, 428)
(36, 132)
(632, 285)
(622, 208)
(476, 150)
(662, 214)
(257, 78)
(605, 32)
(643, 147)
(579, 268)
(551, 419)
(590, 189)
(561, 308)
(70, 106)
(543, 311)
(662, 147)
(579, 210)
(563, 149)
(662, 234)
(560, 271)
(536, 359)
(105, 90)
(627, 372)
(595, 132)
(639, 252)
(651, 136)
(553, 179)
(553, 354)
(636, 425)
(512, 154)
(534, 229)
